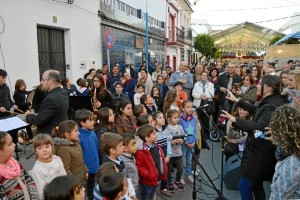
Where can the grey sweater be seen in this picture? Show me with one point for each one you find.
(173, 131)
(130, 169)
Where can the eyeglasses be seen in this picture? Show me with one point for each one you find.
(96, 81)
(44, 79)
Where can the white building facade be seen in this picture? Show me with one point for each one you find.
(178, 32)
(42, 34)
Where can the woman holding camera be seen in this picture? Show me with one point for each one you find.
(258, 162)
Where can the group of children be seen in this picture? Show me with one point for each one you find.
(127, 162)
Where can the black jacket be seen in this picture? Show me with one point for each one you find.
(53, 110)
(259, 160)
(133, 74)
(20, 99)
(222, 81)
(105, 99)
(159, 103)
(5, 98)
(37, 99)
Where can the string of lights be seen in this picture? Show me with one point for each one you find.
(257, 22)
(265, 8)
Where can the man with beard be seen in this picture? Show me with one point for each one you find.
(130, 70)
(54, 107)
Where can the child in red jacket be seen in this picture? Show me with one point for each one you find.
(150, 162)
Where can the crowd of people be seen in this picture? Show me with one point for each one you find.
(127, 147)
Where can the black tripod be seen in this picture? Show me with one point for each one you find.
(223, 138)
(220, 195)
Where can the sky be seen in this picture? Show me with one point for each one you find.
(221, 12)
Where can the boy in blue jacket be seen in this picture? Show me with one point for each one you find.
(189, 125)
(90, 147)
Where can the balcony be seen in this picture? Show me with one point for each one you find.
(180, 35)
(188, 34)
(175, 37)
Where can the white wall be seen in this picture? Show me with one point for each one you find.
(19, 40)
(156, 8)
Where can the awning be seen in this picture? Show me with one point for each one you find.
(247, 36)
(292, 35)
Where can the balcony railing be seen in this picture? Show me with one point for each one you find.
(180, 35)
(189, 35)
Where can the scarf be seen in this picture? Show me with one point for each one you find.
(127, 81)
(161, 90)
(187, 117)
(11, 170)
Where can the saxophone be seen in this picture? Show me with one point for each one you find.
(95, 112)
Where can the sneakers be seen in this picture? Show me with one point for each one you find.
(171, 188)
(182, 181)
(179, 186)
(190, 179)
(166, 193)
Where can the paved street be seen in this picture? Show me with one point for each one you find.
(211, 161)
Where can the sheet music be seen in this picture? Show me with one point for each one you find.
(11, 123)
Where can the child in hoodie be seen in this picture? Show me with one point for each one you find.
(67, 147)
(189, 125)
(130, 148)
(82, 89)
(112, 146)
(89, 144)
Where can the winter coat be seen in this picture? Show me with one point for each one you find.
(5, 99)
(146, 167)
(105, 99)
(131, 169)
(53, 110)
(198, 90)
(129, 87)
(90, 148)
(250, 96)
(71, 156)
(111, 81)
(126, 125)
(286, 180)
(259, 160)
(223, 80)
(20, 100)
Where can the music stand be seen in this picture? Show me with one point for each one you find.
(79, 102)
(12, 124)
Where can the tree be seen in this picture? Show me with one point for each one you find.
(205, 44)
(288, 41)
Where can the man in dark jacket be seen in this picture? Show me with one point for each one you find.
(54, 107)
(226, 81)
(112, 78)
(128, 68)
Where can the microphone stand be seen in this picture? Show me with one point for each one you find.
(220, 195)
(223, 138)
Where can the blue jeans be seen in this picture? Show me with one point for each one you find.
(147, 191)
(187, 155)
(248, 188)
